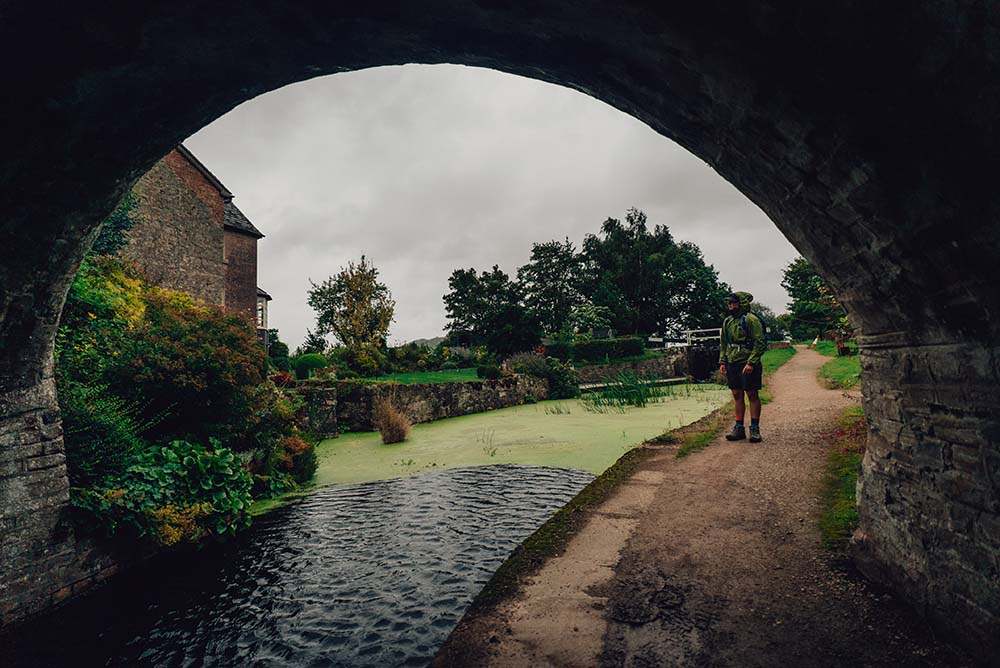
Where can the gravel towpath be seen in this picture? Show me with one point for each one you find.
(709, 560)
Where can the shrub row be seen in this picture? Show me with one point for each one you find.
(561, 376)
(596, 350)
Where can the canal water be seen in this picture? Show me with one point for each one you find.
(375, 574)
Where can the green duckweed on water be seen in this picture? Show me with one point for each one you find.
(562, 433)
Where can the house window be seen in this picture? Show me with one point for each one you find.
(261, 312)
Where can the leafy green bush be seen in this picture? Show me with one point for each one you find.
(102, 432)
(632, 346)
(115, 228)
(305, 365)
(196, 365)
(136, 365)
(364, 360)
(596, 350)
(290, 462)
(280, 363)
(449, 365)
(179, 492)
(561, 376)
(561, 350)
(488, 371)
(346, 374)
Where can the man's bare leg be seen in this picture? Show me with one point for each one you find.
(754, 398)
(740, 406)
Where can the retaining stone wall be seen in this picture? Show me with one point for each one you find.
(349, 404)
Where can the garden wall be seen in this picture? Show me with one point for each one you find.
(348, 405)
(670, 365)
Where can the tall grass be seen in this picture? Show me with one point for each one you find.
(626, 389)
(390, 421)
(839, 513)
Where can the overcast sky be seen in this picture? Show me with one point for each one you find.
(426, 169)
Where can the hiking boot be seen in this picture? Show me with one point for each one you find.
(755, 434)
(737, 434)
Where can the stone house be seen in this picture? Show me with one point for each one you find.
(189, 235)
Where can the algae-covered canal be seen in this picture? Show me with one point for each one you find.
(560, 434)
(375, 567)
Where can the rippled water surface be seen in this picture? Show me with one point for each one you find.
(367, 575)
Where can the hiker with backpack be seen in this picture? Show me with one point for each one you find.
(744, 341)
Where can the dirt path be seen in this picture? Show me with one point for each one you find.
(711, 560)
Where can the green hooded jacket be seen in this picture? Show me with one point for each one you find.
(733, 348)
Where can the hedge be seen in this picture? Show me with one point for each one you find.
(597, 349)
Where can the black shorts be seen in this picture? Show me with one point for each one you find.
(737, 380)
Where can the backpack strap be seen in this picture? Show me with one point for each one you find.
(748, 342)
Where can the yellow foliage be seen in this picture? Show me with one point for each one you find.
(176, 298)
(125, 294)
(175, 523)
(114, 494)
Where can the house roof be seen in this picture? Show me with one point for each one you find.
(261, 293)
(212, 178)
(234, 219)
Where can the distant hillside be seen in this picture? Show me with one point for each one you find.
(430, 343)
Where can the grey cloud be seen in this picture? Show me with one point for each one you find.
(429, 168)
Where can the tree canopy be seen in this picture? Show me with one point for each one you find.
(627, 277)
(649, 282)
(552, 281)
(814, 308)
(489, 309)
(354, 306)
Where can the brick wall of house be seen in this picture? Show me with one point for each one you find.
(178, 235)
(241, 273)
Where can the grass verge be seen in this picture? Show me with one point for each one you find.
(771, 361)
(697, 435)
(842, 372)
(421, 377)
(839, 513)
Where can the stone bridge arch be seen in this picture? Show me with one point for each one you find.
(867, 133)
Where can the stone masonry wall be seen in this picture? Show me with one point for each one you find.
(434, 401)
(42, 561)
(929, 492)
(671, 364)
(241, 273)
(318, 414)
(177, 238)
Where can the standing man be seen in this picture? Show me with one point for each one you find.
(742, 345)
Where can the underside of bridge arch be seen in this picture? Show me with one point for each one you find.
(867, 133)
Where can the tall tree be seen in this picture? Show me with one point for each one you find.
(276, 347)
(314, 343)
(353, 305)
(814, 308)
(552, 280)
(649, 282)
(488, 309)
(692, 296)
